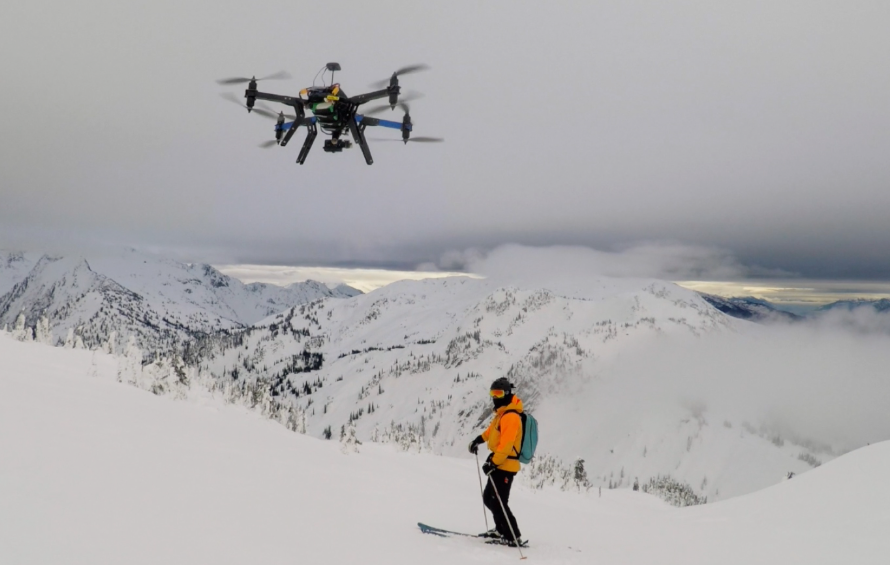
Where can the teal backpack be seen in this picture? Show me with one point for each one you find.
(529, 437)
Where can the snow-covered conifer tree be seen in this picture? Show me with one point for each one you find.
(130, 367)
(42, 333)
(109, 346)
(19, 331)
(580, 475)
(349, 442)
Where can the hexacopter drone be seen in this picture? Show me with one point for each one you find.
(332, 111)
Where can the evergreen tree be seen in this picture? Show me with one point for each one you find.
(19, 331)
(580, 475)
(42, 333)
(349, 442)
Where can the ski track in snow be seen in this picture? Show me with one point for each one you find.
(93, 471)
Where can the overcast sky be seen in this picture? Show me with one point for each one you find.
(760, 129)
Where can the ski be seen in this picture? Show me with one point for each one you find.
(442, 533)
(448, 533)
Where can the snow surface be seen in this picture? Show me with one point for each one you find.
(94, 471)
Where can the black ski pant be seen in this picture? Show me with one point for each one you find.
(503, 480)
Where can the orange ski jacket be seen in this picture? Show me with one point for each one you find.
(504, 437)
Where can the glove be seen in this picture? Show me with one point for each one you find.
(488, 466)
(474, 445)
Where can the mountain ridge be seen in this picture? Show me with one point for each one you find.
(162, 302)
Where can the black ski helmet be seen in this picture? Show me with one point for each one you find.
(502, 383)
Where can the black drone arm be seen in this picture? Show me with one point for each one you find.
(288, 100)
(376, 95)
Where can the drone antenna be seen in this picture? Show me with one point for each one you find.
(316, 76)
(332, 67)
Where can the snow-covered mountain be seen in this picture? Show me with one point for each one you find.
(749, 308)
(94, 472)
(14, 266)
(412, 362)
(159, 301)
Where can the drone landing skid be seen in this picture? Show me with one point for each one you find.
(307, 145)
(358, 134)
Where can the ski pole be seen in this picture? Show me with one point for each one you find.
(482, 492)
(509, 523)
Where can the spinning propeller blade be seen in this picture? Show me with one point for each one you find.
(267, 144)
(280, 75)
(407, 98)
(403, 71)
(273, 111)
(261, 111)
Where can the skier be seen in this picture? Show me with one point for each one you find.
(504, 438)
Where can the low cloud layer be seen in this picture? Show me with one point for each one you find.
(654, 260)
(823, 385)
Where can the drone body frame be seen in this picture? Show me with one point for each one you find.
(335, 113)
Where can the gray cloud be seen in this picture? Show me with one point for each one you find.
(651, 260)
(761, 128)
(821, 383)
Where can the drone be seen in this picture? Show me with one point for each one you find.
(335, 113)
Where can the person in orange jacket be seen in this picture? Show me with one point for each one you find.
(504, 439)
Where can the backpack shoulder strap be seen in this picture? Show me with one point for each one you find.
(522, 422)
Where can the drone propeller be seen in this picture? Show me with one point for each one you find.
(276, 112)
(403, 100)
(403, 71)
(260, 109)
(268, 144)
(280, 75)
(266, 113)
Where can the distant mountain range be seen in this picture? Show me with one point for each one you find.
(882, 305)
(749, 308)
(759, 310)
(161, 302)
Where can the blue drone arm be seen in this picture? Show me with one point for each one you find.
(368, 121)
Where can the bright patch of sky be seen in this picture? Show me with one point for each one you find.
(801, 292)
(365, 280)
(790, 292)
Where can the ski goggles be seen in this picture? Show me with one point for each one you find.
(498, 393)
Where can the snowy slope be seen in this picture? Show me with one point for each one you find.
(14, 266)
(411, 362)
(159, 301)
(96, 472)
(638, 378)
